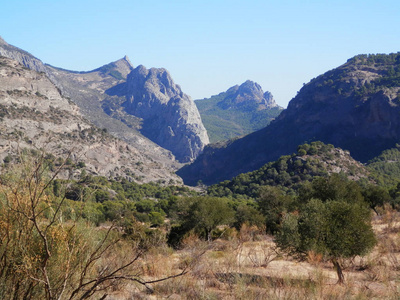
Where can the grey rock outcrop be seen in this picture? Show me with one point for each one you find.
(170, 133)
(170, 117)
(34, 115)
(21, 56)
(240, 110)
(250, 92)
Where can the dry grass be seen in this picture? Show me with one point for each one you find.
(250, 267)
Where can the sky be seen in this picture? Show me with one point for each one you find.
(207, 46)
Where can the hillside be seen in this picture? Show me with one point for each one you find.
(386, 167)
(354, 107)
(289, 172)
(34, 115)
(184, 134)
(238, 111)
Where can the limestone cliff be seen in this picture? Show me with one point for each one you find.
(185, 136)
(248, 93)
(23, 57)
(34, 115)
(170, 117)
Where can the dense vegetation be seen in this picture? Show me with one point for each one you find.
(90, 221)
(290, 172)
(386, 167)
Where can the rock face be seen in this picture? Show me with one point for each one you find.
(354, 107)
(238, 111)
(34, 115)
(23, 57)
(170, 117)
(247, 94)
(149, 132)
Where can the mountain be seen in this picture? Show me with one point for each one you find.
(238, 111)
(290, 172)
(23, 57)
(354, 107)
(34, 115)
(170, 117)
(185, 136)
(128, 101)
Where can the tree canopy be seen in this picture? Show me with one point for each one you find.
(335, 229)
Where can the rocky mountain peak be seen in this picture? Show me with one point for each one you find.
(118, 69)
(249, 90)
(126, 58)
(269, 98)
(34, 115)
(249, 93)
(170, 117)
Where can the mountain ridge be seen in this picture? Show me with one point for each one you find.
(87, 89)
(34, 115)
(354, 107)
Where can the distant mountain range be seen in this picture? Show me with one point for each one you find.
(238, 111)
(120, 120)
(355, 107)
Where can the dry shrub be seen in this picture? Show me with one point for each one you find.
(249, 233)
(262, 256)
(314, 258)
(391, 218)
(224, 232)
(191, 241)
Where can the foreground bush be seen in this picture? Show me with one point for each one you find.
(46, 255)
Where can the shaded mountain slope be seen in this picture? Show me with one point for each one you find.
(354, 107)
(238, 111)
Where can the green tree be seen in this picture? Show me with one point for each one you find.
(272, 204)
(334, 187)
(376, 196)
(200, 214)
(209, 212)
(246, 214)
(334, 229)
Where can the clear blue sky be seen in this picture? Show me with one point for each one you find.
(208, 46)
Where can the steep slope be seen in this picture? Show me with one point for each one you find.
(238, 111)
(354, 107)
(23, 57)
(170, 117)
(185, 136)
(34, 115)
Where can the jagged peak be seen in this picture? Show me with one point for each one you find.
(2, 41)
(126, 58)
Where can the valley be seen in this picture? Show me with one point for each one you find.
(111, 189)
